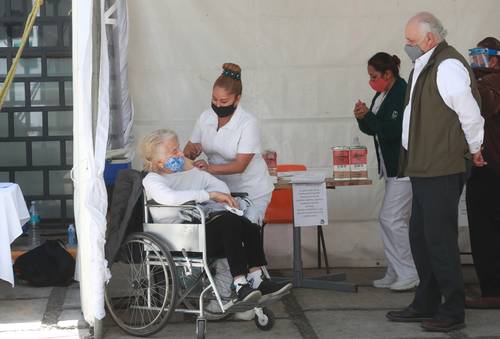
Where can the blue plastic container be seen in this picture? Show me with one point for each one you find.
(111, 170)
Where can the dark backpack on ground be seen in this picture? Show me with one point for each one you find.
(46, 265)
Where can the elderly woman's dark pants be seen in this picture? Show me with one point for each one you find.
(434, 245)
(237, 239)
(483, 211)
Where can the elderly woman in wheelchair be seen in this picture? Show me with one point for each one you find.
(195, 218)
(173, 180)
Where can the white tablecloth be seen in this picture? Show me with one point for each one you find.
(13, 215)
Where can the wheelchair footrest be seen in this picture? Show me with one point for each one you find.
(242, 306)
(272, 299)
(239, 306)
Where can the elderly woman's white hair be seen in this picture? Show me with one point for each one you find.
(429, 23)
(148, 148)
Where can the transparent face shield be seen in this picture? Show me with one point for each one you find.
(480, 57)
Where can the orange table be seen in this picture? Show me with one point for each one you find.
(331, 183)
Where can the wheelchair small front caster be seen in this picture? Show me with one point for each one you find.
(201, 328)
(264, 319)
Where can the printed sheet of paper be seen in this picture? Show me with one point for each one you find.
(309, 204)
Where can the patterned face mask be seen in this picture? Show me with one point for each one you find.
(175, 164)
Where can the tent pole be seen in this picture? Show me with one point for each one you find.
(96, 61)
(98, 329)
(96, 66)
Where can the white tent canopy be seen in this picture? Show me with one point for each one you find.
(304, 66)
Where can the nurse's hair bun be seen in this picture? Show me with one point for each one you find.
(231, 70)
(230, 79)
(231, 67)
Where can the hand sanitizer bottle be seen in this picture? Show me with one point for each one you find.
(71, 235)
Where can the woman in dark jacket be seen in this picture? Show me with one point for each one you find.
(483, 186)
(383, 120)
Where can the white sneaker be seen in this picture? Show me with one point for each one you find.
(405, 284)
(385, 282)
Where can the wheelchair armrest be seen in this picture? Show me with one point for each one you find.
(187, 206)
(239, 194)
(153, 203)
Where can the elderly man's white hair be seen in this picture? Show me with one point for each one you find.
(429, 23)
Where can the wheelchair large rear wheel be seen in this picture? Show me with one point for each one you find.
(141, 293)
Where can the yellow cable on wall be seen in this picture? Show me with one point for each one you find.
(27, 29)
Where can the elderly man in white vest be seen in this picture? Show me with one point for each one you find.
(442, 133)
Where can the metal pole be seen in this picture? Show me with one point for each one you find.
(298, 274)
(96, 61)
(96, 67)
(98, 329)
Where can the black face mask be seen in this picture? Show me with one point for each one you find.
(224, 111)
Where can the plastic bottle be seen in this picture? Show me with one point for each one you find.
(358, 160)
(71, 235)
(34, 221)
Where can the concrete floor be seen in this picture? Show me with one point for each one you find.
(27, 312)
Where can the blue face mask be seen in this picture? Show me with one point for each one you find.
(175, 164)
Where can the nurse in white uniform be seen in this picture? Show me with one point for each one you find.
(230, 138)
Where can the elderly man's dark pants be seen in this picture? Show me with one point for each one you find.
(483, 211)
(434, 245)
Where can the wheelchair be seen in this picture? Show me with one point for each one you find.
(165, 269)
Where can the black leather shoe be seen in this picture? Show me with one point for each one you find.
(440, 325)
(407, 315)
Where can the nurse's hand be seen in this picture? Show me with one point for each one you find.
(223, 198)
(201, 164)
(192, 151)
(360, 110)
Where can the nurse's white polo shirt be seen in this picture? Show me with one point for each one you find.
(240, 135)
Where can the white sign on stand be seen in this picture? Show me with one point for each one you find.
(309, 200)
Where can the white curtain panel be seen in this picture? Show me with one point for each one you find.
(90, 192)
